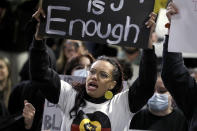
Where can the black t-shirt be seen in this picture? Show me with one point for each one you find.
(144, 120)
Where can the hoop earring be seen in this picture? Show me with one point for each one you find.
(108, 95)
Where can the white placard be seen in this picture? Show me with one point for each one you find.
(52, 117)
(183, 31)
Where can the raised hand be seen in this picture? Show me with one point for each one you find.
(39, 13)
(28, 114)
(151, 24)
(171, 10)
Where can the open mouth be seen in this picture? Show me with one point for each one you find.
(92, 86)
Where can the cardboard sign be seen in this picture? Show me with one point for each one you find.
(52, 117)
(113, 21)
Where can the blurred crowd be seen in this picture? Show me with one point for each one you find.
(69, 57)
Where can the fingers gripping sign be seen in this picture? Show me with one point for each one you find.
(151, 24)
(171, 10)
(151, 20)
(37, 15)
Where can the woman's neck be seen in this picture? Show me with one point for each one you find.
(94, 100)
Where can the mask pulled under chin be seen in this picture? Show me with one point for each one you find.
(158, 102)
(80, 72)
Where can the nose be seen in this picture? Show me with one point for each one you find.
(93, 76)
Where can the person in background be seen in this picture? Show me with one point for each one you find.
(177, 79)
(10, 122)
(79, 65)
(29, 90)
(193, 73)
(132, 55)
(128, 73)
(5, 85)
(7, 28)
(69, 49)
(159, 115)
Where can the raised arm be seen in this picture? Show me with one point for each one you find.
(175, 75)
(178, 81)
(143, 87)
(41, 74)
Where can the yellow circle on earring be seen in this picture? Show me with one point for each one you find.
(108, 95)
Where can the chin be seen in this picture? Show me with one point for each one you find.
(90, 94)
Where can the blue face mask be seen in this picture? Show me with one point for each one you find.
(158, 102)
(80, 72)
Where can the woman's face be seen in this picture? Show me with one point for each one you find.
(3, 71)
(69, 50)
(99, 79)
(84, 63)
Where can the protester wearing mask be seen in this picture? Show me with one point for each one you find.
(79, 65)
(159, 115)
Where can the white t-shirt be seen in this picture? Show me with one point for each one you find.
(113, 114)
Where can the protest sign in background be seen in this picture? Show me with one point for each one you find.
(113, 22)
(161, 31)
(183, 31)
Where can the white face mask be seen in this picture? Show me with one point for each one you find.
(158, 102)
(80, 72)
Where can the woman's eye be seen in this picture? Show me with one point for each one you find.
(103, 75)
(92, 72)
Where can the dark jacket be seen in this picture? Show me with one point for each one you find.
(139, 93)
(180, 84)
(24, 73)
(145, 120)
(27, 91)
